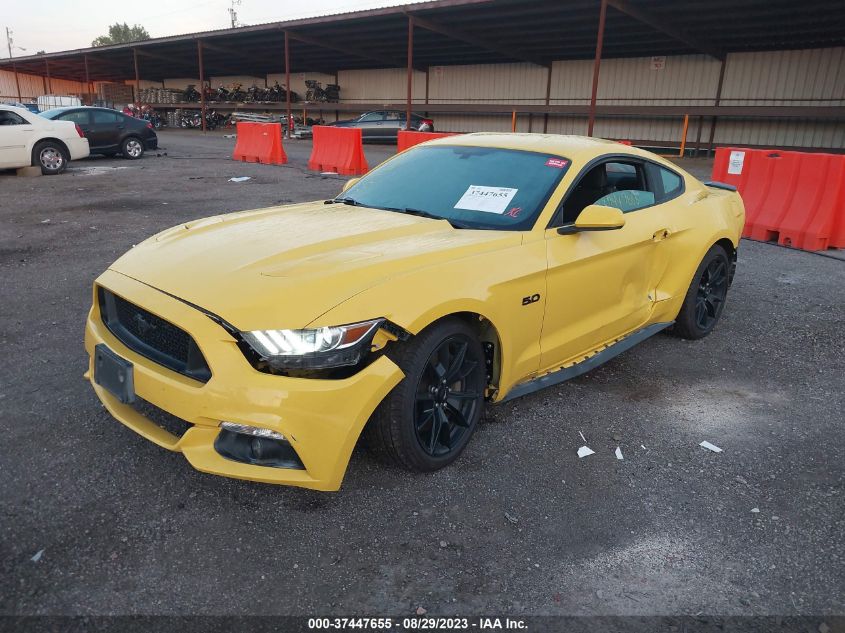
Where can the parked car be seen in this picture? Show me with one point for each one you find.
(384, 125)
(32, 107)
(402, 309)
(28, 139)
(109, 131)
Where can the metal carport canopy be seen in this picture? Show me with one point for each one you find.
(449, 32)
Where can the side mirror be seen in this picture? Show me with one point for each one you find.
(349, 183)
(595, 218)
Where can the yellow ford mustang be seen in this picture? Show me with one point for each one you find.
(465, 271)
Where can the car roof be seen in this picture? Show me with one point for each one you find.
(579, 149)
(8, 106)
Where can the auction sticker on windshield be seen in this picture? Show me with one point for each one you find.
(488, 199)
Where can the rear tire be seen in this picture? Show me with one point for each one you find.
(428, 419)
(705, 299)
(50, 156)
(132, 148)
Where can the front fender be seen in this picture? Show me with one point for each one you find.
(492, 285)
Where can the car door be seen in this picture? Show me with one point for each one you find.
(600, 285)
(371, 124)
(106, 130)
(15, 133)
(394, 121)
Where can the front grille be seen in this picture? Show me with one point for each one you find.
(152, 337)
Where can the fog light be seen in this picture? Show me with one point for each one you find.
(255, 431)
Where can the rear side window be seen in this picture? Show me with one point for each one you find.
(11, 118)
(79, 116)
(101, 116)
(671, 183)
(372, 116)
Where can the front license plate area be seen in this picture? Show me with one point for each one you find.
(114, 374)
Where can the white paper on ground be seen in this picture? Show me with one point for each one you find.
(582, 436)
(710, 447)
(584, 451)
(735, 163)
(240, 179)
(619, 453)
(488, 199)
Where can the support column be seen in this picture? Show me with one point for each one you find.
(137, 78)
(49, 79)
(596, 67)
(548, 98)
(716, 102)
(698, 136)
(410, 72)
(289, 126)
(17, 80)
(87, 76)
(202, 83)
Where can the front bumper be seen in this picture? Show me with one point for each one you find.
(151, 143)
(322, 419)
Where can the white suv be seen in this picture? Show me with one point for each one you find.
(29, 139)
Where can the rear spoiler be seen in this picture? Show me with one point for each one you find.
(719, 185)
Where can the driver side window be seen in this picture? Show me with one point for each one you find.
(372, 117)
(616, 183)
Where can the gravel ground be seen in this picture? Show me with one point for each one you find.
(518, 525)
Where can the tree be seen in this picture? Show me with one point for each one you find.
(121, 34)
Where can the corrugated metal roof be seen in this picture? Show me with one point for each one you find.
(470, 32)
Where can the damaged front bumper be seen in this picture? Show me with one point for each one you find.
(320, 419)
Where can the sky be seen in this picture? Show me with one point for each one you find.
(57, 25)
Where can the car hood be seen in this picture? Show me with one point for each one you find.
(283, 267)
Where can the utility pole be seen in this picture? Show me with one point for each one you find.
(233, 14)
(10, 42)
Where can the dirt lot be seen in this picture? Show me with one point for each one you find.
(518, 525)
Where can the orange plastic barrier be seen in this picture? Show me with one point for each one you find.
(339, 150)
(259, 143)
(409, 138)
(794, 198)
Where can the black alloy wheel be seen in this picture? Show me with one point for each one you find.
(427, 420)
(447, 396)
(706, 296)
(711, 295)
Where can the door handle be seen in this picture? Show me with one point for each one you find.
(661, 234)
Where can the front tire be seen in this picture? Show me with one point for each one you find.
(132, 148)
(428, 419)
(50, 157)
(705, 299)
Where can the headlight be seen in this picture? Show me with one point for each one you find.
(319, 348)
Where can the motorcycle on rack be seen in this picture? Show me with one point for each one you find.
(276, 93)
(190, 120)
(332, 93)
(316, 93)
(151, 116)
(222, 94)
(255, 94)
(191, 93)
(237, 95)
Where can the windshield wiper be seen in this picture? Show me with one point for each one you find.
(426, 214)
(349, 201)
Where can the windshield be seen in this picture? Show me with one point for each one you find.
(472, 187)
